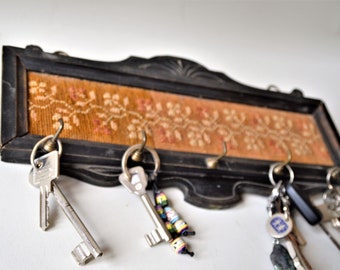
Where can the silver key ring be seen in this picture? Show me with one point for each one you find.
(332, 173)
(280, 164)
(41, 142)
(130, 151)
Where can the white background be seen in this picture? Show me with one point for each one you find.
(293, 44)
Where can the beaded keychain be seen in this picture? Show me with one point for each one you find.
(136, 180)
(175, 225)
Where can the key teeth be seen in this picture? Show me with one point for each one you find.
(81, 254)
(153, 238)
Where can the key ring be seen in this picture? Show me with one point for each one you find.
(276, 165)
(131, 150)
(332, 173)
(41, 142)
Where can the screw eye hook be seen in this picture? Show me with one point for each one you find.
(59, 130)
(212, 162)
(278, 169)
(138, 154)
(50, 145)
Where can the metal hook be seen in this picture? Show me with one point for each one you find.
(278, 169)
(274, 88)
(212, 162)
(50, 145)
(138, 154)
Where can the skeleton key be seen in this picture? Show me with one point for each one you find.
(88, 248)
(136, 183)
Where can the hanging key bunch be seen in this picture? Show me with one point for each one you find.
(286, 252)
(176, 226)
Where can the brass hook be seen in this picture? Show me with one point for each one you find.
(278, 169)
(212, 162)
(50, 145)
(138, 154)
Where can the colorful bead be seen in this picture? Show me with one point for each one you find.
(171, 228)
(161, 198)
(180, 247)
(181, 226)
(171, 214)
(160, 211)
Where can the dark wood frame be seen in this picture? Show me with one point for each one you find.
(218, 188)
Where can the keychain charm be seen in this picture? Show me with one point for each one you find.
(279, 225)
(176, 226)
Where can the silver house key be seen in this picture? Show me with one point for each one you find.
(44, 173)
(45, 169)
(135, 180)
(331, 200)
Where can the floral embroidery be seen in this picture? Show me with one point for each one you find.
(117, 114)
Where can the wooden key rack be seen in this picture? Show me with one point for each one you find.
(187, 112)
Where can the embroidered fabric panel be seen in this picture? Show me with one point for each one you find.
(111, 113)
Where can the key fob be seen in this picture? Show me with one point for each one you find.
(303, 204)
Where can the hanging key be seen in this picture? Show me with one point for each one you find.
(44, 170)
(330, 208)
(280, 226)
(298, 199)
(136, 182)
(44, 173)
(88, 248)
